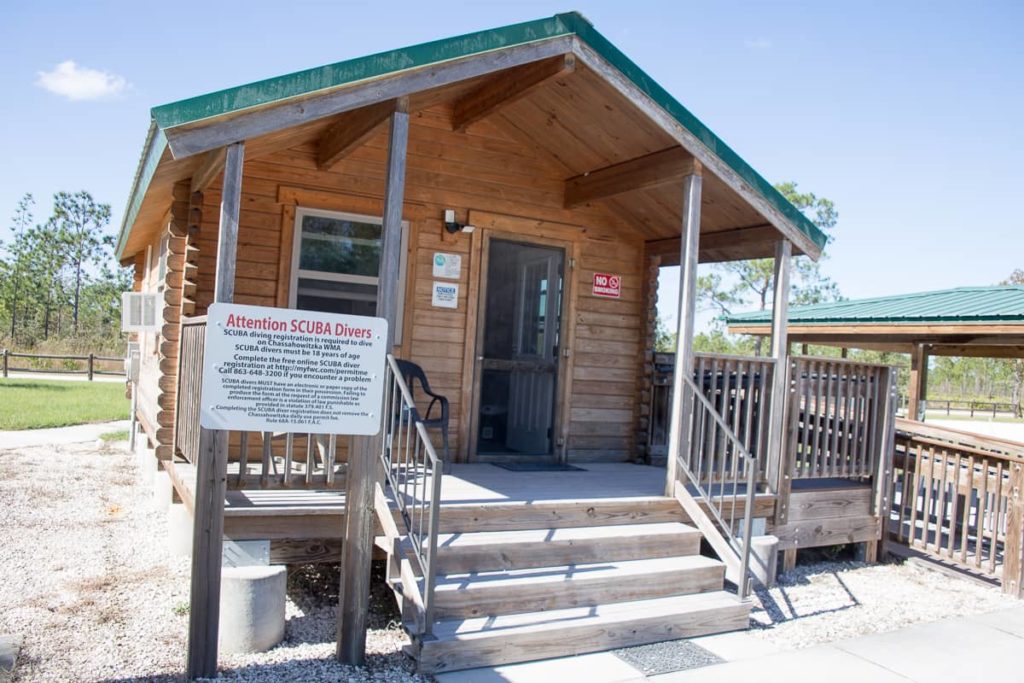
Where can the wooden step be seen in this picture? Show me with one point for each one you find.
(548, 588)
(487, 641)
(498, 550)
(558, 514)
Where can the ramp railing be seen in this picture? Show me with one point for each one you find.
(413, 471)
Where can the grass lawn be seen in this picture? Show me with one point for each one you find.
(33, 404)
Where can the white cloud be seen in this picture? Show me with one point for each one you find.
(757, 44)
(75, 82)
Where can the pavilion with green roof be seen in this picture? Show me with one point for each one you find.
(986, 322)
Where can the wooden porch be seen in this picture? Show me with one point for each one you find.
(307, 525)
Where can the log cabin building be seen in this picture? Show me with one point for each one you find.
(505, 199)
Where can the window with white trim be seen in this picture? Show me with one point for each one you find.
(336, 263)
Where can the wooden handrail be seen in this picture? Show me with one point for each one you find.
(956, 497)
(982, 442)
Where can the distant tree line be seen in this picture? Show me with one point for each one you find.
(59, 284)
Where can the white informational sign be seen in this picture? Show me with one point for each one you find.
(445, 295)
(447, 265)
(283, 370)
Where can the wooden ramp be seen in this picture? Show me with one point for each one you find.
(509, 590)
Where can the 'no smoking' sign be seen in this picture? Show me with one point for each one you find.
(606, 284)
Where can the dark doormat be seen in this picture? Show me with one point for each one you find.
(666, 657)
(537, 467)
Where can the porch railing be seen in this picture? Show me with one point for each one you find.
(740, 387)
(957, 497)
(836, 418)
(268, 460)
(413, 471)
(716, 467)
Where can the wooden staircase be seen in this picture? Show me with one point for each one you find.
(579, 583)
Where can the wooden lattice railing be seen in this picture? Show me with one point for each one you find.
(957, 496)
(837, 415)
(266, 460)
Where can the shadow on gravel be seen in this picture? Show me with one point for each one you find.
(786, 611)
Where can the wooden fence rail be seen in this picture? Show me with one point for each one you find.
(949, 405)
(91, 360)
(957, 497)
(266, 460)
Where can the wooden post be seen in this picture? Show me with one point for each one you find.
(886, 446)
(1013, 551)
(357, 548)
(679, 424)
(7, 354)
(211, 468)
(92, 358)
(780, 389)
(918, 381)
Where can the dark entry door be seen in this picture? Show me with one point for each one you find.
(518, 366)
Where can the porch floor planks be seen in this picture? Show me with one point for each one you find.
(475, 483)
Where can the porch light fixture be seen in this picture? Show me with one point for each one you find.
(452, 226)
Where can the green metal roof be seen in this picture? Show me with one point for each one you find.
(997, 304)
(330, 77)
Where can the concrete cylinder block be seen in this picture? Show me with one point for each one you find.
(252, 608)
(764, 559)
(179, 530)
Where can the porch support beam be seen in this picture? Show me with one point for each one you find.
(351, 131)
(211, 468)
(776, 465)
(210, 166)
(678, 436)
(363, 470)
(507, 88)
(651, 170)
(622, 83)
(918, 380)
(716, 247)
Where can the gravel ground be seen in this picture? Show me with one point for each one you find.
(88, 584)
(829, 601)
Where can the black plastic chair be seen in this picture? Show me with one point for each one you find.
(412, 372)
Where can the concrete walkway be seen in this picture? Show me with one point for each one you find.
(59, 435)
(984, 647)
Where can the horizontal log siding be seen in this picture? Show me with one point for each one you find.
(481, 170)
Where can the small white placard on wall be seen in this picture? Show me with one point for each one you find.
(282, 370)
(447, 265)
(445, 295)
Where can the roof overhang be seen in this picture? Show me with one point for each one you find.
(182, 131)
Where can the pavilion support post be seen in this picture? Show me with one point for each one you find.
(918, 381)
(679, 425)
(211, 468)
(362, 475)
(776, 465)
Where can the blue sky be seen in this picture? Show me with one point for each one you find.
(907, 115)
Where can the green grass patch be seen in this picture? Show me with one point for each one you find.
(34, 404)
(119, 435)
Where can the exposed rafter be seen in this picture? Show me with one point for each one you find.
(210, 166)
(352, 130)
(650, 170)
(727, 245)
(508, 87)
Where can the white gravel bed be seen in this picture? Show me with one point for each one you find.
(830, 601)
(86, 580)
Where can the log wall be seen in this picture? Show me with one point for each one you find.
(479, 171)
